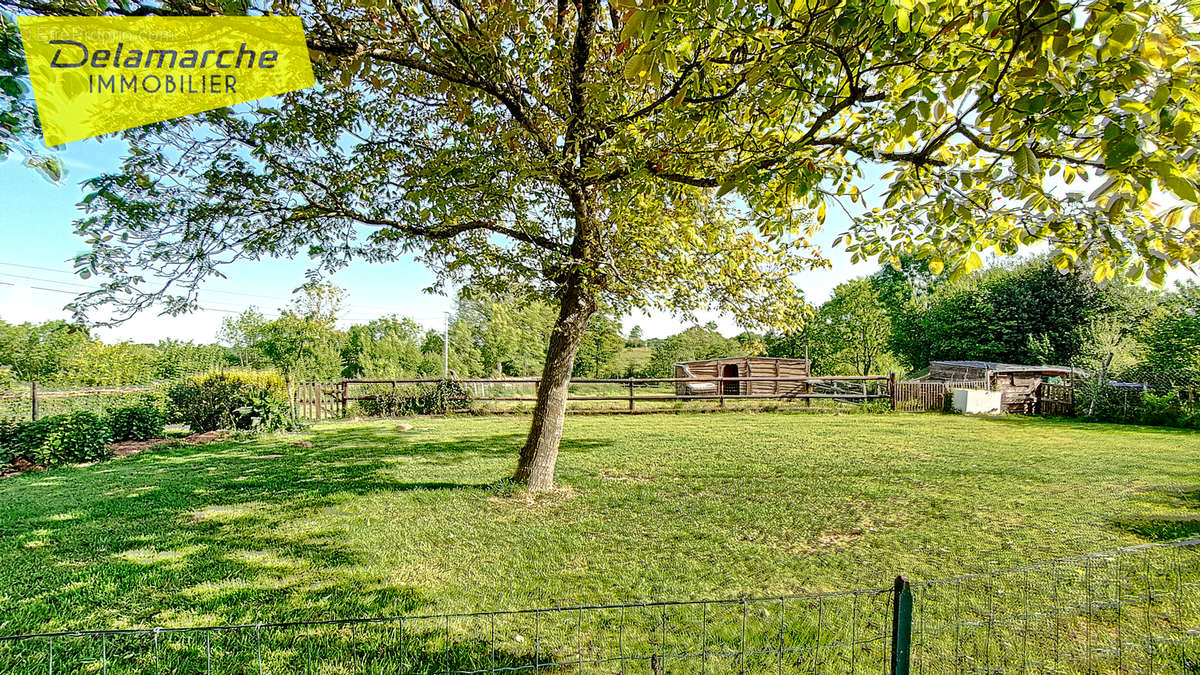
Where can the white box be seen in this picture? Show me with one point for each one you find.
(976, 401)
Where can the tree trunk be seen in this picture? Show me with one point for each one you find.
(538, 457)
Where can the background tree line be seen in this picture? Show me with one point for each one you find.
(898, 319)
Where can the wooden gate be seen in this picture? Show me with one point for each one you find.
(318, 400)
(920, 396)
(1055, 399)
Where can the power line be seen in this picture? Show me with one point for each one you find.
(281, 301)
(229, 308)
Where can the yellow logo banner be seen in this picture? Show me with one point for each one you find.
(95, 75)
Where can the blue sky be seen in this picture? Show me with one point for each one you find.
(36, 245)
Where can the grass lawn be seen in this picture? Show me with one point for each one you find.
(373, 521)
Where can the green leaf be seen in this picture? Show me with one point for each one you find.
(1119, 152)
(1025, 163)
(1123, 34)
(1182, 187)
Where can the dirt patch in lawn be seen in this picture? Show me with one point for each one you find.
(127, 448)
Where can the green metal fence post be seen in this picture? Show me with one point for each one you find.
(901, 627)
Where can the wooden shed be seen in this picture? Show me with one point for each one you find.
(1019, 384)
(741, 366)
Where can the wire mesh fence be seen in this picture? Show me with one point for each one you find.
(1131, 610)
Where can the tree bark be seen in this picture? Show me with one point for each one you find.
(540, 454)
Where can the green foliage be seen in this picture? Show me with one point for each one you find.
(57, 353)
(1026, 313)
(636, 339)
(390, 347)
(19, 123)
(498, 335)
(264, 410)
(303, 347)
(436, 398)
(8, 441)
(693, 344)
(59, 439)
(136, 423)
(173, 359)
(1172, 335)
(95, 364)
(851, 332)
(1107, 403)
(599, 348)
(36, 352)
(230, 400)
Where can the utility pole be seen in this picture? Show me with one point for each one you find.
(446, 346)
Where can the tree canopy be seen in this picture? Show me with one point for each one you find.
(669, 155)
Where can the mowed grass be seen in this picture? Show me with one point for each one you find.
(373, 521)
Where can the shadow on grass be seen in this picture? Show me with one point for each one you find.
(1076, 424)
(1183, 523)
(224, 533)
(1161, 528)
(382, 647)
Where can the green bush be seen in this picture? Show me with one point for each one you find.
(60, 439)
(136, 423)
(1132, 406)
(437, 398)
(78, 437)
(8, 437)
(231, 400)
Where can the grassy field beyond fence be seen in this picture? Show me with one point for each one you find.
(372, 521)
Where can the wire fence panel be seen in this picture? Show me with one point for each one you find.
(1131, 610)
(1134, 610)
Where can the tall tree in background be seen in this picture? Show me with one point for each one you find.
(37, 351)
(1172, 337)
(600, 346)
(1029, 312)
(389, 347)
(590, 153)
(853, 331)
(693, 344)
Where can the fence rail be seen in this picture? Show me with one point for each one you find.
(327, 400)
(37, 395)
(1129, 610)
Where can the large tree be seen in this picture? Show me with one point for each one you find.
(667, 154)
(853, 331)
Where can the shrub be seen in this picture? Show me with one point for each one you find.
(136, 423)
(231, 400)
(60, 439)
(265, 410)
(437, 398)
(1132, 406)
(8, 437)
(78, 437)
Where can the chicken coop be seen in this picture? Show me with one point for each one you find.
(708, 371)
(1019, 384)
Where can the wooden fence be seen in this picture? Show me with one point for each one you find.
(1055, 399)
(38, 394)
(332, 400)
(919, 396)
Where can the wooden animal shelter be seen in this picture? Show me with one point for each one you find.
(1020, 385)
(741, 366)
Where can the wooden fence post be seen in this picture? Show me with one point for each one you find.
(893, 390)
(33, 396)
(345, 400)
(631, 394)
